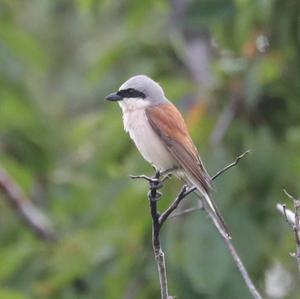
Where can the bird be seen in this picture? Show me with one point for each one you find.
(161, 136)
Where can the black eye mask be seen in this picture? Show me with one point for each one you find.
(131, 93)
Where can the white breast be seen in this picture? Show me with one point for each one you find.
(146, 140)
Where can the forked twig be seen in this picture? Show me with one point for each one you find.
(292, 218)
(158, 220)
(234, 163)
(156, 183)
(220, 172)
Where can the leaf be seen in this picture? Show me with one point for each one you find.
(6, 293)
(207, 11)
(23, 45)
(205, 259)
(11, 258)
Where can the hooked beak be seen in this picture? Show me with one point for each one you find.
(114, 97)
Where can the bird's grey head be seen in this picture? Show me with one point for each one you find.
(138, 92)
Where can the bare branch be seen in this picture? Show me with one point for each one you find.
(158, 220)
(192, 189)
(32, 216)
(242, 269)
(156, 183)
(251, 287)
(293, 219)
(142, 176)
(228, 242)
(289, 215)
(164, 216)
(186, 211)
(237, 160)
(232, 251)
(288, 195)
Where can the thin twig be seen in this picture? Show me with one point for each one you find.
(158, 220)
(33, 217)
(292, 218)
(241, 267)
(286, 216)
(155, 183)
(289, 215)
(192, 189)
(234, 163)
(164, 216)
(227, 241)
(142, 176)
(289, 195)
(296, 226)
(232, 251)
(186, 211)
(250, 285)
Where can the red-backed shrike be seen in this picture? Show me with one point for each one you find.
(160, 134)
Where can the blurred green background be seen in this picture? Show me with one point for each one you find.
(233, 69)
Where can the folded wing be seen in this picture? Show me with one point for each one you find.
(168, 123)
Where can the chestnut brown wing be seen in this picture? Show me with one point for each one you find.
(168, 123)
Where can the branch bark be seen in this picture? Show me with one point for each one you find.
(185, 191)
(156, 183)
(250, 285)
(158, 220)
(293, 219)
(32, 216)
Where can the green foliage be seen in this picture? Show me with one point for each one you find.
(203, 254)
(65, 146)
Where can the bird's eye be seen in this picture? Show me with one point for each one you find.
(131, 93)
